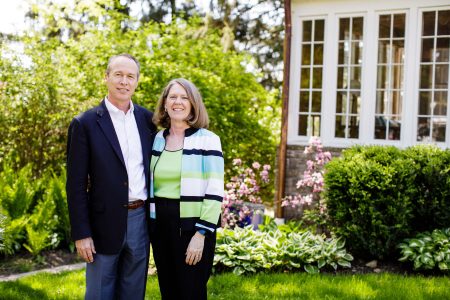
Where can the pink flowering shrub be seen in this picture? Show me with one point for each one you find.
(245, 186)
(311, 184)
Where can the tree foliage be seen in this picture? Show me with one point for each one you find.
(60, 75)
(254, 26)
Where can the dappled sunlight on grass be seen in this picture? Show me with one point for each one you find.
(322, 286)
(67, 285)
(70, 285)
(350, 288)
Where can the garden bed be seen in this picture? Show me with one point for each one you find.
(24, 262)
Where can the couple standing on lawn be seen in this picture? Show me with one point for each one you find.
(128, 185)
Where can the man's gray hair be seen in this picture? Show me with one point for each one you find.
(112, 58)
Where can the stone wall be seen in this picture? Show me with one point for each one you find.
(295, 166)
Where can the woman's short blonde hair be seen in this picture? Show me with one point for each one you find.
(198, 117)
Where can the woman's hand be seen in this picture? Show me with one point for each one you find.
(195, 249)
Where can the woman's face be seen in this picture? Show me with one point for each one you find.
(177, 104)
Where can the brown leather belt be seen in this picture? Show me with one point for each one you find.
(134, 204)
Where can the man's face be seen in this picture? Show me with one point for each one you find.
(121, 80)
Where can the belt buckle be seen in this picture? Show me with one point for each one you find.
(135, 204)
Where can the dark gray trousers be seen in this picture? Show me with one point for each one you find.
(123, 275)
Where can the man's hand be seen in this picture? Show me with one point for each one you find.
(195, 249)
(86, 249)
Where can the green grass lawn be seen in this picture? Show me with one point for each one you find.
(70, 285)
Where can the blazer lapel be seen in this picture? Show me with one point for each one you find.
(144, 133)
(105, 122)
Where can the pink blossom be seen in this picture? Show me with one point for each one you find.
(237, 162)
(310, 164)
(311, 183)
(308, 199)
(244, 186)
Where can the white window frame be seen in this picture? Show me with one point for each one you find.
(373, 87)
(445, 144)
(334, 47)
(294, 106)
(370, 11)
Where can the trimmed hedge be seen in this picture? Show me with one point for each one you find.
(378, 195)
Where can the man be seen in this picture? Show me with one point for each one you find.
(108, 153)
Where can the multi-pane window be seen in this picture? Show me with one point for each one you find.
(434, 70)
(311, 78)
(390, 77)
(348, 92)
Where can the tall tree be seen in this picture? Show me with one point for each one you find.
(255, 26)
(65, 76)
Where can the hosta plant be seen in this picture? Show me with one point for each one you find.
(428, 250)
(244, 250)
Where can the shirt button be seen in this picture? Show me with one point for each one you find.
(125, 183)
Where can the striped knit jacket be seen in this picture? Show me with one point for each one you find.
(202, 172)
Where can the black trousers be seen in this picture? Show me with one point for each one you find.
(178, 280)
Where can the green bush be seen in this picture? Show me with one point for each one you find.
(2, 231)
(63, 78)
(35, 211)
(365, 199)
(58, 222)
(244, 250)
(428, 251)
(18, 195)
(18, 190)
(14, 235)
(431, 188)
(378, 195)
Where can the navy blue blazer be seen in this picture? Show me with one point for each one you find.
(97, 179)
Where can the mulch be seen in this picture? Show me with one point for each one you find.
(24, 262)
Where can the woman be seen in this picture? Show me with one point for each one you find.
(186, 191)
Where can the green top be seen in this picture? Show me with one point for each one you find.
(167, 175)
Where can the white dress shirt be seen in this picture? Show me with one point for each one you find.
(130, 143)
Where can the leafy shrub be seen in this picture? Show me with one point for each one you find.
(18, 190)
(18, 193)
(63, 78)
(59, 221)
(367, 201)
(431, 171)
(41, 227)
(14, 235)
(428, 251)
(37, 240)
(2, 230)
(244, 250)
(35, 210)
(377, 195)
(269, 224)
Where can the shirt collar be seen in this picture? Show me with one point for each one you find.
(113, 109)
